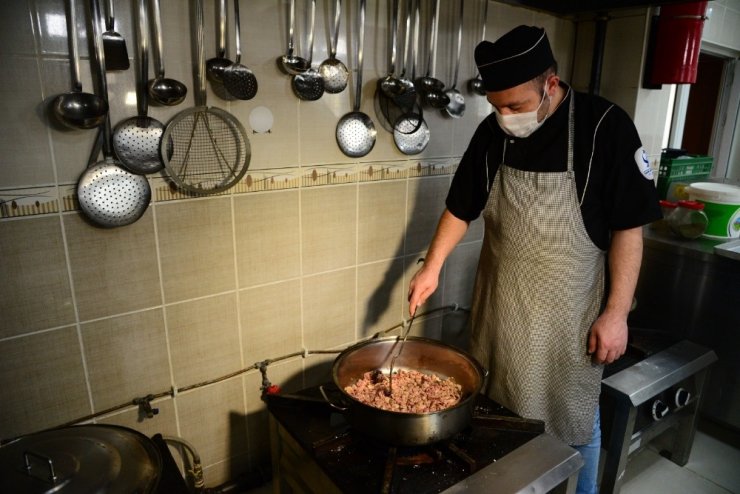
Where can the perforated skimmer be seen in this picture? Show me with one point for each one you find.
(356, 131)
(238, 79)
(136, 139)
(332, 70)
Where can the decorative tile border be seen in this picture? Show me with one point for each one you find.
(29, 201)
(269, 179)
(50, 199)
(372, 172)
(328, 175)
(433, 167)
(68, 197)
(163, 190)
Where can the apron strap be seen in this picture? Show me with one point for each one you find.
(571, 133)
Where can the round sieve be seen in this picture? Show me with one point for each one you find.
(356, 131)
(238, 80)
(204, 150)
(309, 85)
(136, 139)
(333, 71)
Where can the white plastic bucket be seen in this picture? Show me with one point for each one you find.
(722, 207)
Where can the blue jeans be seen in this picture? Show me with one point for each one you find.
(588, 476)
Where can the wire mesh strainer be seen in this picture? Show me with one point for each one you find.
(209, 148)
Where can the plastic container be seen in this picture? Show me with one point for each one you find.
(688, 220)
(667, 207)
(722, 207)
(677, 172)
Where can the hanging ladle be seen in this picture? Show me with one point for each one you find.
(432, 89)
(216, 66)
(456, 107)
(238, 79)
(309, 85)
(406, 97)
(76, 109)
(476, 85)
(332, 70)
(390, 85)
(292, 64)
(165, 91)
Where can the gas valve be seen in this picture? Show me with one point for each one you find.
(660, 410)
(681, 397)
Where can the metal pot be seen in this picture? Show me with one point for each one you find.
(81, 459)
(420, 354)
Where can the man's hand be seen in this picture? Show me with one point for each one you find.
(607, 340)
(422, 286)
(450, 230)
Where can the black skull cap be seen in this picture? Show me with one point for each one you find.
(515, 58)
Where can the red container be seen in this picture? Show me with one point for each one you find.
(677, 43)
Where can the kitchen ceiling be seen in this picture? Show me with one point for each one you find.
(568, 7)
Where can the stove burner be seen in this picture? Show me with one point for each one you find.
(346, 456)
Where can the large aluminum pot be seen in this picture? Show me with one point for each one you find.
(420, 354)
(81, 459)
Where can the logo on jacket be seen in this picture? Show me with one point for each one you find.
(643, 163)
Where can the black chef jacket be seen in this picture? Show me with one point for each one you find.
(619, 193)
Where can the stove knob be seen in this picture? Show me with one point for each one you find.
(660, 410)
(681, 397)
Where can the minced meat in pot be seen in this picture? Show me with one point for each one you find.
(413, 391)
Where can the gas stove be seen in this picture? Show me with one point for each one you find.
(314, 450)
(656, 386)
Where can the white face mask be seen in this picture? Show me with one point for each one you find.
(521, 124)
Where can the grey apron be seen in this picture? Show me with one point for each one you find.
(538, 289)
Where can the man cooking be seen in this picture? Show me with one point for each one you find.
(564, 186)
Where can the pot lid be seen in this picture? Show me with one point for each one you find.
(81, 459)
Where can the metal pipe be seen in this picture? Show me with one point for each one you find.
(598, 53)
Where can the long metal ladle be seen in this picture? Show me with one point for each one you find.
(476, 85)
(216, 66)
(163, 90)
(76, 109)
(289, 63)
(393, 360)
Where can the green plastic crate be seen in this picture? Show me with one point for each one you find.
(684, 169)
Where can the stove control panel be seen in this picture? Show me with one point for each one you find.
(667, 402)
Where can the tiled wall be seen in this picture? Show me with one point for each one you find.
(312, 250)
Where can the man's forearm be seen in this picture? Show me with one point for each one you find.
(625, 257)
(450, 230)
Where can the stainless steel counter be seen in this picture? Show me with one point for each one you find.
(687, 289)
(663, 240)
(551, 463)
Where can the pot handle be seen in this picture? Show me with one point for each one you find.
(27, 455)
(332, 404)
